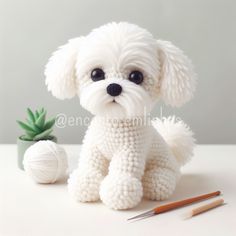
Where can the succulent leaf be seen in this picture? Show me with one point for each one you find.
(49, 123)
(36, 114)
(29, 122)
(31, 115)
(41, 110)
(30, 134)
(36, 128)
(24, 126)
(26, 138)
(43, 135)
(41, 120)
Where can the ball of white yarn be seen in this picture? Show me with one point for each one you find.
(45, 162)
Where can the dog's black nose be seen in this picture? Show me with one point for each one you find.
(114, 89)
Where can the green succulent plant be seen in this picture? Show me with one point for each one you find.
(36, 127)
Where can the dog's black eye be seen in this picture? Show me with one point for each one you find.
(136, 77)
(97, 74)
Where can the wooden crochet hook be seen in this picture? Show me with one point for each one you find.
(204, 208)
(175, 205)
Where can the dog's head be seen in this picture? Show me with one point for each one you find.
(120, 70)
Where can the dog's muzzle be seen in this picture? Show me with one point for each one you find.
(114, 89)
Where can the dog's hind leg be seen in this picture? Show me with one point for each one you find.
(161, 173)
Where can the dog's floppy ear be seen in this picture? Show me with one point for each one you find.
(60, 71)
(177, 78)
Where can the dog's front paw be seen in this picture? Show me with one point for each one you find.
(159, 184)
(84, 186)
(121, 191)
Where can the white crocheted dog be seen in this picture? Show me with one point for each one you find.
(119, 71)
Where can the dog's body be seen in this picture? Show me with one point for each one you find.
(119, 72)
(130, 147)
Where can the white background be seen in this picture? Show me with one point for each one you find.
(30, 30)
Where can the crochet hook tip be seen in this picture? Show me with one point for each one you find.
(143, 215)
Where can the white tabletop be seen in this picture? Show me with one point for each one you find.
(27, 208)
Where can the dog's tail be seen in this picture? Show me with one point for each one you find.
(178, 136)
